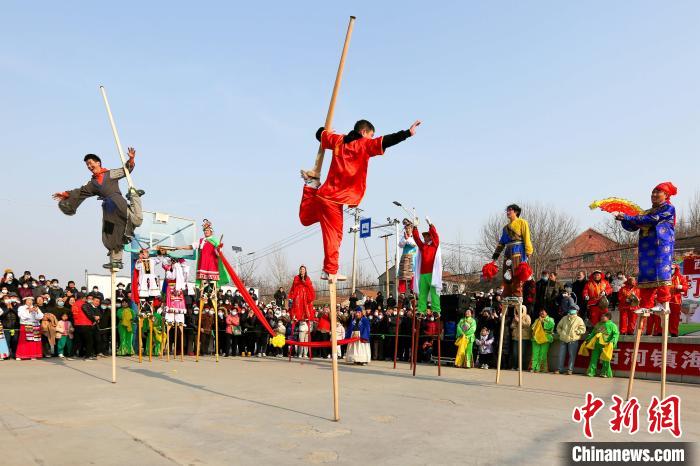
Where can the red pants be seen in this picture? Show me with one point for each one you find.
(313, 209)
(594, 313)
(628, 320)
(648, 297)
(674, 319)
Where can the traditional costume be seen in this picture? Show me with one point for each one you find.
(595, 293)
(125, 319)
(657, 238)
(345, 185)
(302, 295)
(146, 278)
(542, 337)
(602, 340)
(177, 274)
(29, 344)
(465, 341)
(409, 254)
(516, 245)
(119, 218)
(628, 303)
(358, 352)
(427, 278)
(209, 265)
(679, 287)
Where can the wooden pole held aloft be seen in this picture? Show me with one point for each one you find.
(318, 165)
(122, 157)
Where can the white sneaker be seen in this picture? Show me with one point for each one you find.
(331, 277)
(18, 359)
(264, 355)
(328, 357)
(61, 356)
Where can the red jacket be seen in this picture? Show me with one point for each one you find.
(679, 286)
(622, 296)
(594, 291)
(302, 295)
(79, 317)
(427, 251)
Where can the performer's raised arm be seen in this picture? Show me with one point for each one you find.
(433, 232)
(118, 173)
(416, 238)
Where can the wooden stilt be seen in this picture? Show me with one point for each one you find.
(150, 338)
(182, 342)
(638, 336)
(113, 323)
(396, 338)
(334, 348)
(520, 345)
(199, 320)
(439, 337)
(140, 339)
(664, 352)
(167, 343)
(416, 345)
(500, 344)
(215, 301)
(290, 348)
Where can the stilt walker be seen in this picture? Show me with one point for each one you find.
(405, 274)
(427, 276)
(119, 217)
(657, 238)
(210, 276)
(516, 245)
(176, 277)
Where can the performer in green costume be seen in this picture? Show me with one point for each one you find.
(602, 340)
(125, 317)
(465, 340)
(541, 339)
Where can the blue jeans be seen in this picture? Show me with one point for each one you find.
(572, 349)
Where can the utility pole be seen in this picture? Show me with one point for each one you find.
(386, 263)
(396, 260)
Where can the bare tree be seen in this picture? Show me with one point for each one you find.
(279, 271)
(246, 270)
(551, 230)
(689, 221)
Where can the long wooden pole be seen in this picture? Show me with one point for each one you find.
(396, 337)
(199, 321)
(140, 339)
(316, 171)
(116, 138)
(416, 345)
(113, 323)
(664, 352)
(182, 342)
(500, 344)
(638, 336)
(151, 320)
(439, 337)
(334, 348)
(520, 345)
(216, 321)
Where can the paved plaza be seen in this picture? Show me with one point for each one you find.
(267, 411)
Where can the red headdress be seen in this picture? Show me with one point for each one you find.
(667, 187)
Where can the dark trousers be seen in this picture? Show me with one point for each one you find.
(322, 336)
(12, 341)
(85, 340)
(236, 345)
(226, 341)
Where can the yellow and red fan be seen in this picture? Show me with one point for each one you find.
(616, 204)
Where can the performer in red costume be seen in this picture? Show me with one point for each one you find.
(596, 288)
(679, 286)
(628, 299)
(302, 295)
(345, 184)
(427, 279)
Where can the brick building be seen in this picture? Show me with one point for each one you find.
(593, 250)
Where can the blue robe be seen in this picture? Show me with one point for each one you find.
(363, 328)
(657, 237)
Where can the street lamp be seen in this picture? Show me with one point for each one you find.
(237, 249)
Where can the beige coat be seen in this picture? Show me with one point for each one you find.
(48, 327)
(571, 328)
(527, 331)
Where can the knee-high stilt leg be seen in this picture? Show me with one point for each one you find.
(199, 320)
(438, 344)
(500, 343)
(638, 335)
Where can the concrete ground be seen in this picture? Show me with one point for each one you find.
(265, 411)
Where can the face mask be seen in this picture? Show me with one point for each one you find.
(572, 312)
(432, 319)
(60, 304)
(120, 287)
(380, 317)
(195, 312)
(103, 306)
(545, 278)
(401, 313)
(211, 312)
(221, 314)
(234, 313)
(25, 285)
(10, 276)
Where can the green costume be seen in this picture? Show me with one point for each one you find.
(610, 335)
(426, 288)
(157, 322)
(126, 334)
(465, 341)
(541, 339)
(204, 256)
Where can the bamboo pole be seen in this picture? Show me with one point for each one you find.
(638, 336)
(334, 349)
(116, 138)
(520, 345)
(113, 323)
(318, 165)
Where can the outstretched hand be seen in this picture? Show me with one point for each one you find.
(619, 215)
(413, 127)
(58, 196)
(132, 152)
(427, 220)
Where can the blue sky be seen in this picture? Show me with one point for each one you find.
(558, 102)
